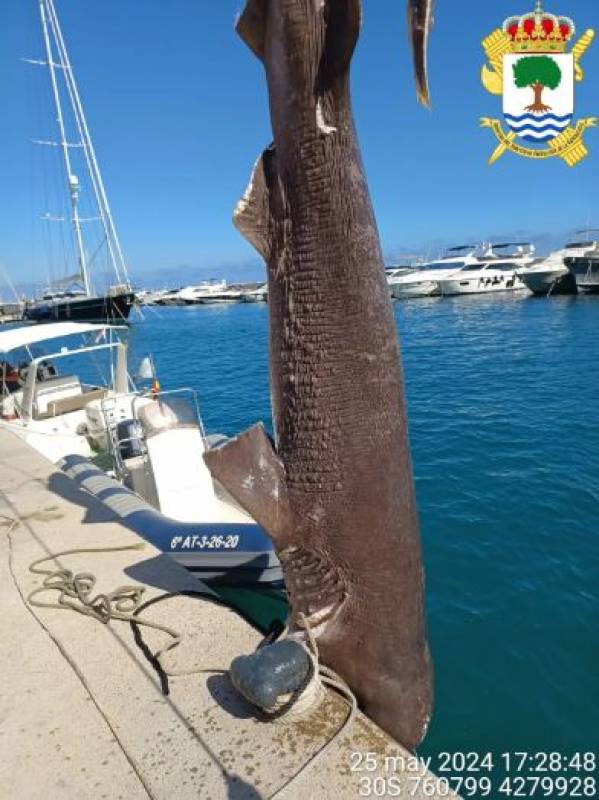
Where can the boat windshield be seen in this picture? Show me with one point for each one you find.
(580, 245)
(446, 265)
(583, 266)
(504, 266)
(93, 368)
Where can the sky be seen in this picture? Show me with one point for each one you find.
(178, 111)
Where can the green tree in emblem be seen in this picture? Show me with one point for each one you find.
(540, 73)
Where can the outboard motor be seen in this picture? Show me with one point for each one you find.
(137, 472)
(129, 437)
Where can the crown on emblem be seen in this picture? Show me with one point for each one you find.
(539, 32)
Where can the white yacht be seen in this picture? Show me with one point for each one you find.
(394, 273)
(257, 295)
(424, 282)
(202, 293)
(172, 297)
(150, 297)
(159, 484)
(207, 293)
(227, 295)
(500, 271)
(585, 270)
(552, 276)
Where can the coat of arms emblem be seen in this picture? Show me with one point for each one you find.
(531, 68)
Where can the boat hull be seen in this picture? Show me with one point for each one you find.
(231, 554)
(421, 289)
(586, 287)
(585, 272)
(83, 309)
(550, 282)
(452, 288)
(207, 300)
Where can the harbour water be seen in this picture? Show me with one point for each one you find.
(504, 426)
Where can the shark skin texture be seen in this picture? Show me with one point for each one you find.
(335, 490)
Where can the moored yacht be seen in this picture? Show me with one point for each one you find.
(150, 297)
(203, 292)
(257, 295)
(229, 294)
(552, 276)
(582, 263)
(75, 297)
(499, 271)
(393, 274)
(424, 281)
(77, 305)
(171, 297)
(585, 271)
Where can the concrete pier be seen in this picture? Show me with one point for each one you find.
(82, 711)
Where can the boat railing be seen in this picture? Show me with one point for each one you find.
(118, 444)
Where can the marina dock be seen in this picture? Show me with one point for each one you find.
(82, 706)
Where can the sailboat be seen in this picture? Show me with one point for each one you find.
(74, 297)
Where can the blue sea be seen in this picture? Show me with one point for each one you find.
(503, 396)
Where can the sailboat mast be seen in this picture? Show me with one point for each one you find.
(114, 246)
(72, 180)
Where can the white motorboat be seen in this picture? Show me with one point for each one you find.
(257, 295)
(552, 276)
(159, 485)
(150, 297)
(424, 281)
(203, 292)
(498, 272)
(162, 489)
(582, 263)
(394, 273)
(59, 414)
(207, 293)
(172, 297)
(228, 295)
(585, 270)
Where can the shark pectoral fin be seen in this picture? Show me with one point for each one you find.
(252, 215)
(251, 25)
(261, 213)
(343, 18)
(250, 470)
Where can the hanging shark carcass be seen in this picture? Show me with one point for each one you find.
(335, 490)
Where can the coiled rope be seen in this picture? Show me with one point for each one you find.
(75, 593)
